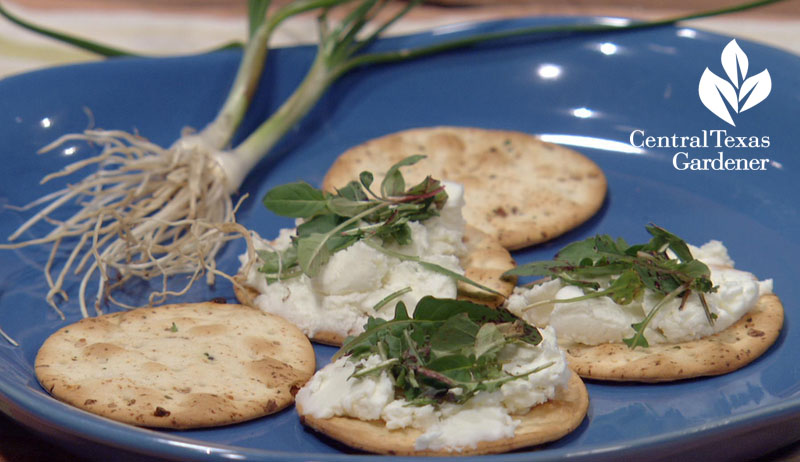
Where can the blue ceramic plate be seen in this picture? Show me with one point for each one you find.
(590, 92)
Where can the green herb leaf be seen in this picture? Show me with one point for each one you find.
(353, 191)
(312, 253)
(573, 254)
(456, 335)
(451, 369)
(489, 341)
(396, 294)
(347, 207)
(427, 187)
(520, 330)
(662, 237)
(274, 262)
(366, 179)
(632, 269)
(638, 339)
(448, 350)
(393, 183)
(296, 200)
(333, 222)
(320, 224)
(624, 289)
(400, 312)
(438, 309)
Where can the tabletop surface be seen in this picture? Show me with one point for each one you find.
(186, 26)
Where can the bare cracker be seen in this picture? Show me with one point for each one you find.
(517, 188)
(177, 366)
(723, 352)
(485, 262)
(546, 422)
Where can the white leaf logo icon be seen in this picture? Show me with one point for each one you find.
(760, 84)
(715, 91)
(732, 58)
(712, 89)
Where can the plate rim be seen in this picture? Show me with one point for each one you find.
(23, 400)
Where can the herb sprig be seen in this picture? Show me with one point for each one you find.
(632, 269)
(448, 350)
(332, 222)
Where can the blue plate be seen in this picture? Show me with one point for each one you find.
(591, 92)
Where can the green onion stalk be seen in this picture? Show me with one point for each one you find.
(148, 211)
(152, 212)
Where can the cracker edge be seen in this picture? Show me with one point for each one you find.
(568, 409)
(731, 349)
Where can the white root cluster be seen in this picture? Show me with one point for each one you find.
(145, 212)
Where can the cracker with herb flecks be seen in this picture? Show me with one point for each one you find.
(610, 272)
(518, 188)
(720, 353)
(452, 377)
(543, 423)
(177, 366)
(485, 262)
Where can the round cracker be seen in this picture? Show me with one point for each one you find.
(518, 188)
(484, 262)
(177, 366)
(546, 422)
(723, 352)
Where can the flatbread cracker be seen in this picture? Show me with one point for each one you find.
(723, 352)
(546, 422)
(177, 366)
(485, 262)
(518, 188)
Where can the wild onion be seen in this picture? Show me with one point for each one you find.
(149, 211)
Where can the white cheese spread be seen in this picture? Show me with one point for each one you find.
(344, 293)
(487, 416)
(601, 320)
